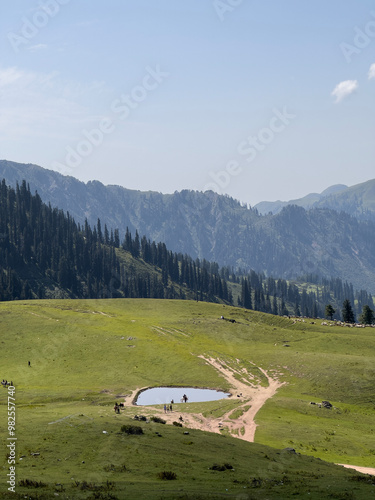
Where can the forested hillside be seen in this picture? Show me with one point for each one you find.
(44, 253)
(220, 229)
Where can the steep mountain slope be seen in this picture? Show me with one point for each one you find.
(307, 202)
(358, 201)
(45, 254)
(218, 228)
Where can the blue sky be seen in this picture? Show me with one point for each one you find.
(259, 99)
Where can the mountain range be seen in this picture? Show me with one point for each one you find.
(330, 235)
(358, 201)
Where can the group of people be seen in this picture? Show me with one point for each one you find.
(117, 407)
(5, 383)
(168, 408)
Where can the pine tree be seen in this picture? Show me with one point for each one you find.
(246, 295)
(347, 312)
(283, 309)
(297, 311)
(274, 306)
(329, 311)
(367, 317)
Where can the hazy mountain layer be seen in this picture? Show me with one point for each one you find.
(218, 228)
(358, 201)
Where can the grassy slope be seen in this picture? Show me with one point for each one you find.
(85, 353)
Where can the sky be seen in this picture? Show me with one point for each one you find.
(257, 99)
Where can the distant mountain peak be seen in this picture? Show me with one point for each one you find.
(309, 201)
(336, 188)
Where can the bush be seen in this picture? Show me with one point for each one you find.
(131, 429)
(167, 475)
(29, 483)
(158, 420)
(140, 417)
(98, 495)
(221, 467)
(218, 467)
(177, 424)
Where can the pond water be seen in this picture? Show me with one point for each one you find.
(163, 395)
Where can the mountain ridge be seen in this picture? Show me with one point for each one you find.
(218, 228)
(357, 200)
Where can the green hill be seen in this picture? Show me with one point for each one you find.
(86, 354)
(45, 254)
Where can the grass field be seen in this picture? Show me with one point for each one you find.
(86, 354)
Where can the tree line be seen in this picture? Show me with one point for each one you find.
(308, 297)
(367, 316)
(44, 253)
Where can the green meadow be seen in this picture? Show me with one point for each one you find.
(86, 354)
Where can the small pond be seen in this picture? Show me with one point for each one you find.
(163, 395)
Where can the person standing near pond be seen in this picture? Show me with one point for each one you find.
(165, 408)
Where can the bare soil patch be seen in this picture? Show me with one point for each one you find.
(249, 394)
(364, 470)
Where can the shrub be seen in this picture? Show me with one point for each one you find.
(131, 429)
(221, 467)
(158, 420)
(29, 483)
(98, 495)
(167, 475)
(218, 467)
(177, 424)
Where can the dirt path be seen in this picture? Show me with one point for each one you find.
(364, 470)
(251, 397)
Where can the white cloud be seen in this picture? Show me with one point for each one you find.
(44, 104)
(371, 73)
(344, 89)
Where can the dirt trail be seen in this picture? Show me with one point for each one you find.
(364, 470)
(251, 397)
